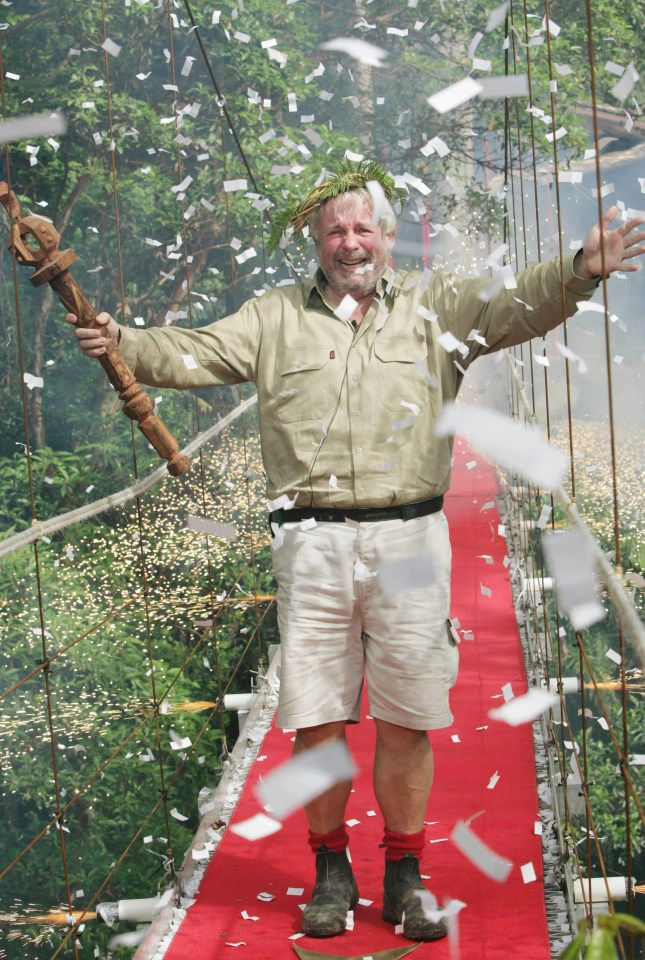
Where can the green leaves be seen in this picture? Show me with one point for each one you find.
(622, 921)
(574, 948)
(602, 945)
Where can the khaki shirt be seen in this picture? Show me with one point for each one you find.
(347, 418)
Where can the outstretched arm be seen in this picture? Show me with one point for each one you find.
(618, 246)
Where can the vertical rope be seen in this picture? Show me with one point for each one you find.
(44, 661)
(195, 404)
(244, 436)
(139, 513)
(612, 440)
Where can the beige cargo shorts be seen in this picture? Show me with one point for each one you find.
(366, 601)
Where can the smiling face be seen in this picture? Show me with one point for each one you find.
(352, 251)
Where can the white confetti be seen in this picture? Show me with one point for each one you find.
(493, 88)
(111, 47)
(211, 527)
(232, 185)
(406, 573)
(571, 559)
(528, 872)
(525, 708)
(256, 827)
(626, 83)
(455, 95)
(360, 50)
(26, 128)
(568, 354)
(514, 445)
(345, 308)
(32, 381)
(436, 145)
(362, 573)
(497, 16)
(449, 342)
(304, 777)
(475, 850)
(281, 503)
(558, 135)
(132, 939)
(432, 910)
(377, 194)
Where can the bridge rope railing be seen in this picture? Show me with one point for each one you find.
(544, 624)
(146, 602)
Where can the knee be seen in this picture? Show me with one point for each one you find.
(405, 739)
(309, 737)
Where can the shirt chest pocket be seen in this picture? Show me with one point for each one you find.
(400, 362)
(307, 382)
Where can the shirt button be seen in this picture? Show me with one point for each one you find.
(359, 449)
(357, 413)
(354, 378)
(362, 489)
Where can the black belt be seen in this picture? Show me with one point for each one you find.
(407, 511)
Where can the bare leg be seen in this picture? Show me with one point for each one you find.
(403, 771)
(335, 890)
(327, 811)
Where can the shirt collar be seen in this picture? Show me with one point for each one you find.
(314, 286)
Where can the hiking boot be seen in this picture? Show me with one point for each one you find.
(335, 892)
(401, 901)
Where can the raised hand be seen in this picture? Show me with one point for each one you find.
(618, 245)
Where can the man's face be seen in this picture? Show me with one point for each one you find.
(352, 251)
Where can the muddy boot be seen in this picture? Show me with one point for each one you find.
(335, 892)
(401, 903)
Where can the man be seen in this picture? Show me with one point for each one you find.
(348, 392)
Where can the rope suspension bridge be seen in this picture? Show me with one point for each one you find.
(139, 623)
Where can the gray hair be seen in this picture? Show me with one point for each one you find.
(349, 203)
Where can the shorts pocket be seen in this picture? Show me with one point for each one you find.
(452, 654)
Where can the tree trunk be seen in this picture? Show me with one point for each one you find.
(36, 419)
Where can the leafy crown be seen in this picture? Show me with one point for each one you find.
(345, 175)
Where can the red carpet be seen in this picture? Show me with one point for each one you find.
(500, 920)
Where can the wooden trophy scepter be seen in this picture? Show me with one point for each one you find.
(34, 243)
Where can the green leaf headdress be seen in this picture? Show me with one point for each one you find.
(345, 175)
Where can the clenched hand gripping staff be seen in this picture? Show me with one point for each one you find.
(34, 243)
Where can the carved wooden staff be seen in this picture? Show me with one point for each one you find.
(34, 242)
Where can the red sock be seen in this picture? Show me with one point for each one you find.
(336, 840)
(398, 844)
